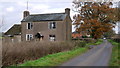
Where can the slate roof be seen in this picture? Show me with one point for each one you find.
(45, 17)
(14, 30)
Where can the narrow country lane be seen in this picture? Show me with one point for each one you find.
(98, 56)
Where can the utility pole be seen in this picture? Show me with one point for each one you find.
(2, 22)
(27, 5)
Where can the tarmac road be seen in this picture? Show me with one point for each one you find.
(98, 56)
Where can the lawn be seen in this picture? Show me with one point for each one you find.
(115, 58)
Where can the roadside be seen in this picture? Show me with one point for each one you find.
(98, 56)
(55, 59)
(58, 58)
(115, 57)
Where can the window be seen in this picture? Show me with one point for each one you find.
(52, 25)
(29, 25)
(52, 37)
(29, 37)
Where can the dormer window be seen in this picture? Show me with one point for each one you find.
(52, 25)
(29, 25)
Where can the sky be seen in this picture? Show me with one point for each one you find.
(11, 12)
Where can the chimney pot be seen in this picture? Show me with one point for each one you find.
(67, 11)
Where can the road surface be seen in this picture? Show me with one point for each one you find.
(98, 56)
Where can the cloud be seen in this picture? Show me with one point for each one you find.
(10, 9)
(40, 6)
(51, 0)
(54, 10)
(36, 0)
(21, 3)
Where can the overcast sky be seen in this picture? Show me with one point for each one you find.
(11, 12)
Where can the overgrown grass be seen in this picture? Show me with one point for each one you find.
(115, 58)
(58, 58)
(18, 53)
(55, 59)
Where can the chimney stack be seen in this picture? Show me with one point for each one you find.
(67, 11)
(26, 13)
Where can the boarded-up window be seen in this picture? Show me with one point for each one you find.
(52, 37)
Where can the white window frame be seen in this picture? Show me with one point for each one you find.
(30, 37)
(31, 25)
(52, 38)
(50, 25)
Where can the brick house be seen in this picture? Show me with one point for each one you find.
(53, 26)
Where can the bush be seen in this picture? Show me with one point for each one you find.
(90, 40)
(99, 41)
(117, 40)
(80, 43)
(16, 53)
(84, 37)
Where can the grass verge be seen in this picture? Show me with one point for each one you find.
(115, 58)
(55, 59)
(58, 58)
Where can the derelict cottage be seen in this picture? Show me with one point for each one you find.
(52, 27)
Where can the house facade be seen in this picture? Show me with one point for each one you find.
(53, 26)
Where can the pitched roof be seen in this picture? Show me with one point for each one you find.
(45, 17)
(14, 30)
